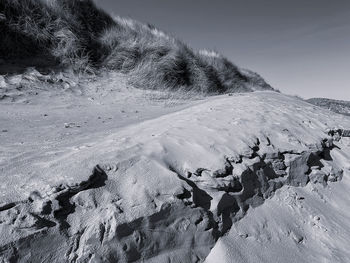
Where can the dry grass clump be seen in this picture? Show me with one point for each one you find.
(60, 32)
(77, 34)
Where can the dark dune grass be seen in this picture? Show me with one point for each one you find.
(78, 35)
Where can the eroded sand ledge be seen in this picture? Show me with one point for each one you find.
(171, 187)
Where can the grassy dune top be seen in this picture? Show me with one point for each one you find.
(78, 35)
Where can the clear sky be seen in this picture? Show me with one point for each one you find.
(301, 47)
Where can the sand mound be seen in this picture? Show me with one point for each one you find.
(172, 187)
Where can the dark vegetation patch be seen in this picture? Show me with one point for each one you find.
(76, 34)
